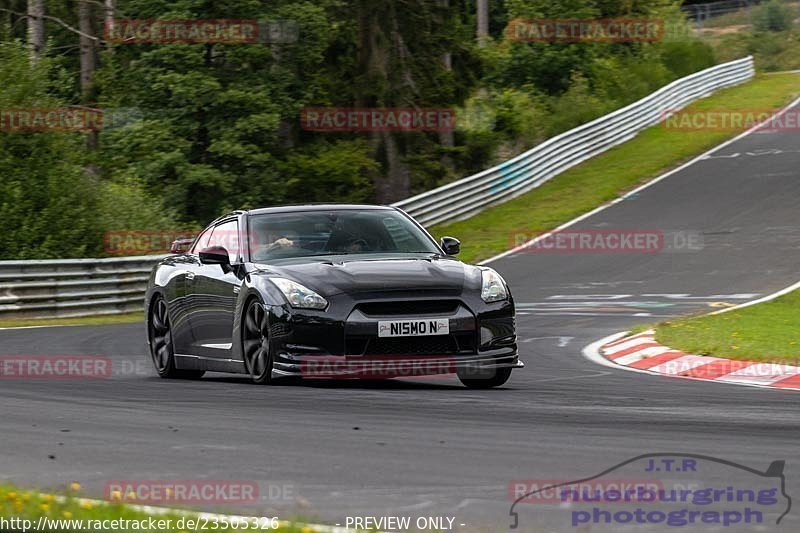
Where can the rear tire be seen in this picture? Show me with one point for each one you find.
(161, 349)
(486, 379)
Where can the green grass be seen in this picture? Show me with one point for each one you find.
(100, 320)
(764, 332)
(607, 176)
(30, 505)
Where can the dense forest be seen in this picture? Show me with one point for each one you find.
(192, 129)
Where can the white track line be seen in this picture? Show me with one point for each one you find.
(767, 298)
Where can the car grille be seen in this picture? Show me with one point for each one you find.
(409, 307)
(457, 342)
(424, 345)
(427, 345)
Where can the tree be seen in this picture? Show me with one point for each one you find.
(36, 28)
(108, 14)
(201, 128)
(399, 64)
(88, 52)
(483, 21)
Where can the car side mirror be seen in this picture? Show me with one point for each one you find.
(451, 245)
(215, 255)
(180, 246)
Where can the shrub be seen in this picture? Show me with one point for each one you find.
(773, 16)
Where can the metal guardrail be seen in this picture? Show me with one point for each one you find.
(80, 287)
(73, 287)
(706, 11)
(468, 196)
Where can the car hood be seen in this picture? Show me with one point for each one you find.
(330, 277)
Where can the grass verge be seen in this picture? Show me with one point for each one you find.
(72, 513)
(765, 332)
(100, 320)
(605, 177)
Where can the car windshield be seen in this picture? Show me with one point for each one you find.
(315, 233)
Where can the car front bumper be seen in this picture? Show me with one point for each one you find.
(343, 342)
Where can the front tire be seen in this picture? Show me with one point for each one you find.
(484, 379)
(161, 349)
(255, 343)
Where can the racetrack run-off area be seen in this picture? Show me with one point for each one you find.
(428, 446)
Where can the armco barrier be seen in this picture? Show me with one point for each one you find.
(73, 287)
(80, 287)
(468, 196)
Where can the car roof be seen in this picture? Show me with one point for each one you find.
(318, 207)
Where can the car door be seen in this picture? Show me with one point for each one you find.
(177, 295)
(181, 295)
(216, 289)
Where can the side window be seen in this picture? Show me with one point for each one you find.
(227, 236)
(202, 241)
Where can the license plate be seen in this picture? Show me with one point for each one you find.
(413, 328)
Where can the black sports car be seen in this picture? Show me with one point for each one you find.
(328, 291)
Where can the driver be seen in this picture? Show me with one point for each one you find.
(282, 242)
(347, 236)
(270, 242)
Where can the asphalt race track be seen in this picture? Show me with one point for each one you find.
(428, 447)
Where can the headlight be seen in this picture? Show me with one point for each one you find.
(299, 296)
(493, 288)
